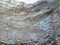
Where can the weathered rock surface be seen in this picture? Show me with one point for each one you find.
(29, 24)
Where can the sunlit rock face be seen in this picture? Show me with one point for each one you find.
(27, 1)
(27, 23)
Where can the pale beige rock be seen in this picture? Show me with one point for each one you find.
(26, 25)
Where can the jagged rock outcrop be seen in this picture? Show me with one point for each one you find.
(28, 24)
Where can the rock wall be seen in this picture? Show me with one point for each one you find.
(30, 24)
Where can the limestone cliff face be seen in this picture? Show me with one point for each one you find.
(28, 23)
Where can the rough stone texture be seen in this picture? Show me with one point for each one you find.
(30, 24)
(57, 24)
